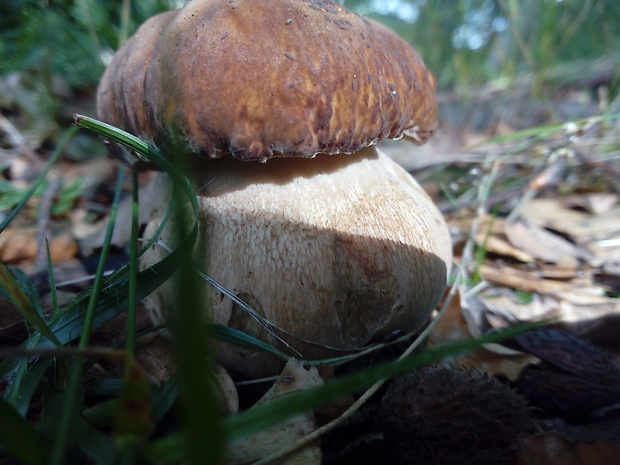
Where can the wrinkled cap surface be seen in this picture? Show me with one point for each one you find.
(260, 78)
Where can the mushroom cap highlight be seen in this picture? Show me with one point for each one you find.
(261, 79)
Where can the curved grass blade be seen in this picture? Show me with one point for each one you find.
(264, 416)
(228, 334)
(171, 449)
(22, 294)
(138, 145)
(198, 407)
(73, 393)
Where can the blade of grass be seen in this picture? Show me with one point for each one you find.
(100, 447)
(23, 295)
(73, 394)
(27, 376)
(133, 268)
(264, 416)
(103, 414)
(138, 145)
(543, 131)
(172, 448)
(199, 412)
(111, 302)
(234, 336)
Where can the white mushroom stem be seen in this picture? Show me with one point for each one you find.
(338, 252)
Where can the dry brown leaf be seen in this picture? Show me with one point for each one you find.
(453, 327)
(507, 302)
(294, 377)
(515, 278)
(597, 203)
(491, 236)
(599, 235)
(579, 307)
(541, 243)
(19, 246)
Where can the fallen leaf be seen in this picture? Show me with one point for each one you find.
(294, 377)
(541, 243)
(515, 278)
(490, 235)
(19, 246)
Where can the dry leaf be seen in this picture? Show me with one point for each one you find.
(515, 278)
(597, 203)
(599, 235)
(155, 354)
(490, 235)
(542, 243)
(19, 246)
(502, 301)
(294, 377)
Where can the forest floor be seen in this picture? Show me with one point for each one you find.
(530, 190)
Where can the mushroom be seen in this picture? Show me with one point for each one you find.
(328, 240)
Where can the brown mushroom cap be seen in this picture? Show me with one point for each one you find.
(268, 78)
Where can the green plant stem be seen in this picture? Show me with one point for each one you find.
(199, 412)
(133, 267)
(74, 386)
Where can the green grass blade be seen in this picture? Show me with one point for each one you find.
(198, 407)
(20, 438)
(100, 447)
(172, 449)
(264, 416)
(165, 396)
(136, 144)
(113, 298)
(234, 336)
(73, 392)
(133, 268)
(23, 295)
(25, 380)
(107, 130)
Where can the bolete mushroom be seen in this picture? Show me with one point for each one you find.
(329, 240)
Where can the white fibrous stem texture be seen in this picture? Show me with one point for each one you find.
(336, 252)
